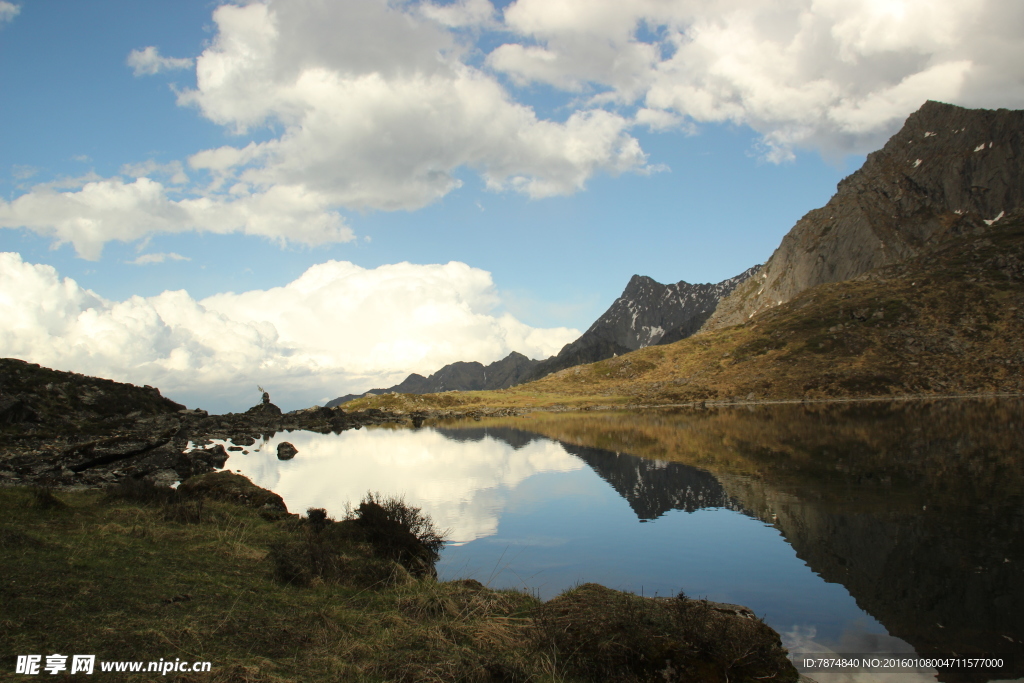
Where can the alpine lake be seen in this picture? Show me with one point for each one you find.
(868, 531)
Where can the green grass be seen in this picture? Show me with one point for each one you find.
(124, 581)
(144, 576)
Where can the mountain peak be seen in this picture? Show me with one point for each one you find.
(646, 313)
(946, 171)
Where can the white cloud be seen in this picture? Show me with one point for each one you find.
(392, 317)
(387, 92)
(462, 13)
(146, 259)
(8, 11)
(835, 75)
(373, 106)
(148, 61)
(112, 209)
(23, 172)
(337, 329)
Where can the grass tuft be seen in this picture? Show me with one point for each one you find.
(43, 499)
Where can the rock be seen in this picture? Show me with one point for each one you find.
(163, 478)
(215, 455)
(231, 487)
(264, 408)
(286, 451)
(198, 412)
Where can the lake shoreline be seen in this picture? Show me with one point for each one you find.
(81, 451)
(470, 408)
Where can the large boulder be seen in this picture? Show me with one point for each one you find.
(264, 408)
(233, 488)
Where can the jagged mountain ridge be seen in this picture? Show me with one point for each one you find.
(459, 376)
(646, 313)
(947, 168)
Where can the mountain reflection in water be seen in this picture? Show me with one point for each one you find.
(859, 528)
(651, 487)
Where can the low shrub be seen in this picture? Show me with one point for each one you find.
(382, 542)
(399, 532)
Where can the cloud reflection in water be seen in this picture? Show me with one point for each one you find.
(462, 486)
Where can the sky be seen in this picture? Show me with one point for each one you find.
(321, 197)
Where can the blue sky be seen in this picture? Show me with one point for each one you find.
(269, 192)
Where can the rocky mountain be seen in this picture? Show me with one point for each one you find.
(459, 376)
(948, 321)
(647, 313)
(947, 169)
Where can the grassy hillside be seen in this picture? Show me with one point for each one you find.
(949, 322)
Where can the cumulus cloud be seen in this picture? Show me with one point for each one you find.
(8, 11)
(835, 75)
(391, 317)
(389, 93)
(337, 329)
(174, 171)
(148, 61)
(112, 209)
(373, 106)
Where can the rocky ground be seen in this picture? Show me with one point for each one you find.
(65, 430)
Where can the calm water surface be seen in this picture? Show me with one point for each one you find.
(873, 528)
